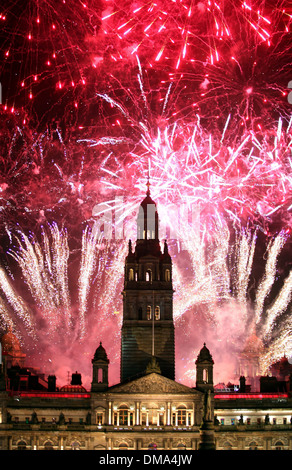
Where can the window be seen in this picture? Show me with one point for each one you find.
(99, 418)
(124, 416)
(75, 445)
(157, 312)
(227, 446)
(152, 446)
(21, 445)
(48, 445)
(253, 446)
(181, 416)
(140, 313)
(167, 275)
(181, 446)
(123, 446)
(148, 276)
(149, 312)
(279, 445)
(131, 274)
(205, 375)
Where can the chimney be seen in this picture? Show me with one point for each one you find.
(51, 383)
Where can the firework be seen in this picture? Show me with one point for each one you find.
(93, 96)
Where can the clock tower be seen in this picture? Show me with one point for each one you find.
(148, 329)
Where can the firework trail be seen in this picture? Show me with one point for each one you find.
(94, 94)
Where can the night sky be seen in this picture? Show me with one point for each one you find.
(94, 96)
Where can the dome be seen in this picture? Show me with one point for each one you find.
(11, 345)
(204, 355)
(253, 345)
(100, 353)
(73, 389)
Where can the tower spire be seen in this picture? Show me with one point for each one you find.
(148, 183)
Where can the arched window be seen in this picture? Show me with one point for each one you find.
(167, 275)
(131, 274)
(75, 445)
(152, 446)
(227, 446)
(157, 312)
(253, 446)
(182, 446)
(48, 445)
(148, 275)
(21, 445)
(100, 375)
(123, 416)
(149, 312)
(123, 446)
(279, 445)
(205, 375)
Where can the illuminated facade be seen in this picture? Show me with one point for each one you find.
(148, 409)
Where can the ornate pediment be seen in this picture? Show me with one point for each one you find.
(152, 383)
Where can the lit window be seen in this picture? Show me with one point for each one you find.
(167, 275)
(149, 312)
(181, 417)
(131, 274)
(148, 275)
(99, 418)
(157, 312)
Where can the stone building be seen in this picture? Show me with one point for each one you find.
(148, 409)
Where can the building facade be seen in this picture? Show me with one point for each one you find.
(148, 409)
